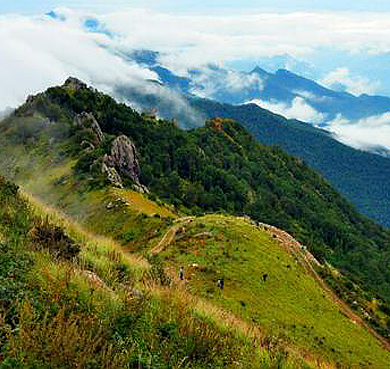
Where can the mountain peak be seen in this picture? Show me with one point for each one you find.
(75, 84)
(259, 71)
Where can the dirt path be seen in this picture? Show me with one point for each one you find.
(306, 260)
(169, 236)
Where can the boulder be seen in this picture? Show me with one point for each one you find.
(87, 122)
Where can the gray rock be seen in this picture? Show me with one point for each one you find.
(87, 122)
(125, 157)
(112, 175)
(74, 84)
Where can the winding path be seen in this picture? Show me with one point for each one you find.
(170, 235)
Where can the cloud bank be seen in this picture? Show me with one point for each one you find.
(38, 52)
(366, 134)
(211, 81)
(341, 78)
(193, 39)
(297, 109)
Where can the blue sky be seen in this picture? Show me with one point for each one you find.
(340, 44)
(343, 43)
(186, 6)
(322, 40)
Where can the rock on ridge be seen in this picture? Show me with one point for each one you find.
(87, 122)
(124, 157)
(74, 84)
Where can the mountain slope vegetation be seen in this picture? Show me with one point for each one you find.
(215, 168)
(70, 298)
(360, 176)
(219, 167)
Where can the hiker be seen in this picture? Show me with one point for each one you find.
(181, 273)
(220, 283)
(265, 276)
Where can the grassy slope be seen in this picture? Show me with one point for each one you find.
(290, 304)
(137, 229)
(60, 317)
(275, 306)
(132, 220)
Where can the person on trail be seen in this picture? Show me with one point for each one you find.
(181, 273)
(265, 276)
(220, 283)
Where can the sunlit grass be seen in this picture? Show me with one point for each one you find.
(139, 202)
(289, 305)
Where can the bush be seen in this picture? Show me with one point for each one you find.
(45, 235)
(7, 189)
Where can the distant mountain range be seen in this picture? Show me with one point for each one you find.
(235, 87)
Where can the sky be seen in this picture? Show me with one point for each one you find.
(340, 44)
(201, 6)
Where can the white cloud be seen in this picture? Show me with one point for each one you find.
(364, 134)
(305, 94)
(39, 52)
(356, 85)
(169, 104)
(196, 39)
(298, 109)
(210, 80)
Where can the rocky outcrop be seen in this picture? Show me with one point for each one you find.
(124, 158)
(34, 104)
(74, 84)
(87, 122)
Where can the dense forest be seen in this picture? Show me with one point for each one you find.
(360, 176)
(221, 167)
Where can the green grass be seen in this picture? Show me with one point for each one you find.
(289, 305)
(61, 318)
(133, 220)
(292, 312)
(138, 202)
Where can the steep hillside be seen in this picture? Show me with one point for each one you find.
(267, 280)
(365, 184)
(360, 176)
(67, 144)
(70, 299)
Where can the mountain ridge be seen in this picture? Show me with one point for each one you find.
(283, 86)
(216, 168)
(184, 169)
